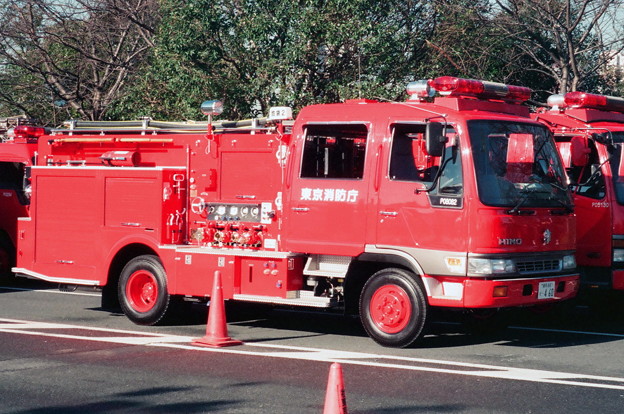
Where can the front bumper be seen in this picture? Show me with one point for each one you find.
(479, 293)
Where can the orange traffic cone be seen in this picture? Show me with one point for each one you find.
(216, 328)
(335, 400)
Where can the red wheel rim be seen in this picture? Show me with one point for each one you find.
(390, 309)
(142, 290)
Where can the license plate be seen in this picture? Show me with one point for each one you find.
(546, 290)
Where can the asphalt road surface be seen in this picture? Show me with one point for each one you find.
(61, 353)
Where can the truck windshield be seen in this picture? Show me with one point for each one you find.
(517, 165)
(616, 155)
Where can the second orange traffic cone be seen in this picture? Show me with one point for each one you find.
(216, 328)
(335, 400)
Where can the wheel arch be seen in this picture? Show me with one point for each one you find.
(367, 264)
(110, 299)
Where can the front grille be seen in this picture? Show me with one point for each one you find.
(538, 266)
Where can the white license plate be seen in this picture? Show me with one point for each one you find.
(546, 290)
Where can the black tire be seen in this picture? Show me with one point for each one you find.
(393, 308)
(142, 290)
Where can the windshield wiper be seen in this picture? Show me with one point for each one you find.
(524, 197)
(516, 208)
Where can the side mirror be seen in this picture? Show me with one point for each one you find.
(435, 139)
(579, 150)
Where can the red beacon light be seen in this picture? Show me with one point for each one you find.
(590, 100)
(28, 132)
(452, 86)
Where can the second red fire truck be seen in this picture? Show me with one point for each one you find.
(589, 130)
(384, 209)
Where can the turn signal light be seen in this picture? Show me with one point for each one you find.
(499, 291)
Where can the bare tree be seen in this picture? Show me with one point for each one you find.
(80, 52)
(570, 41)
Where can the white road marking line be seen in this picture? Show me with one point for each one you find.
(318, 354)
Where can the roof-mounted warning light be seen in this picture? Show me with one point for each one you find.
(28, 132)
(210, 108)
(419, 90)
(556, 102)
(590, 100)
(452, 86)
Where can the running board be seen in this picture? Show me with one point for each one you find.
(304, 298)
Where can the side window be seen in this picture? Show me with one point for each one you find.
(334, 151)
(588, 180)
(410, 162)
(13, 177)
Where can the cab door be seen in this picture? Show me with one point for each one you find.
(327, 207)
(420, 200)
(591, 201)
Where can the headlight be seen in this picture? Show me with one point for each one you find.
(490, 266)
(618, 255)
(569, 262)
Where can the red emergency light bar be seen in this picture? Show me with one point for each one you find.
(28, 131)
(590, 100)
(449, 85)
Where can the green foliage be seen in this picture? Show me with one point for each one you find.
(259, 53)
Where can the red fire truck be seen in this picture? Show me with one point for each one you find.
(18, 146)
(589, 130)
(385, 209)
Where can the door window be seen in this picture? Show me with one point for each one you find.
(334, 151)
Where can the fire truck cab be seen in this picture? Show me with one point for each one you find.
(385, 209)
(589, 131)
(17, 154)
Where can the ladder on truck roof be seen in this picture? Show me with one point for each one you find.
(147, 125)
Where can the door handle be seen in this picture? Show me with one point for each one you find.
(301, 209)
(389, 213)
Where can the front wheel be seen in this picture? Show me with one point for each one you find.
(142, 290)
(393, 308)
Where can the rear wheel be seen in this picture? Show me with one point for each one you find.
(393, 308)
(142, 291)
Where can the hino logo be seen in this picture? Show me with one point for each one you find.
(509, 242)
(547, 236)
